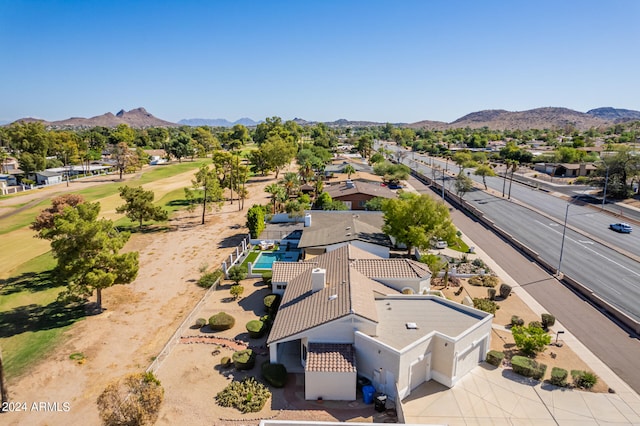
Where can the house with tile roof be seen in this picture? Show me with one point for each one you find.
(325, 231)
(355, 193)
(346, 313)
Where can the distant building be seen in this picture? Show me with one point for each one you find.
(355, 194)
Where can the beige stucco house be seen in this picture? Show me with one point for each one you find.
(344, 314)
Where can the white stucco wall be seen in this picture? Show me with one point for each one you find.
(330, 386)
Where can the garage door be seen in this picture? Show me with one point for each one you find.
(468, 360)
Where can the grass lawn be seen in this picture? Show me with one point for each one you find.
(251, 257)
(33, 321)
(459, 245)
(22, 219)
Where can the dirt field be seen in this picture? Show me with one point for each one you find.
(141, 317)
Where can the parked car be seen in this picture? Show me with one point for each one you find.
(395, 186)
(440, 244)
(625, 228)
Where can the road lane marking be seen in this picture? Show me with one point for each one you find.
(593, 251)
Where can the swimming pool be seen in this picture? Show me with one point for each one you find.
(265, 259)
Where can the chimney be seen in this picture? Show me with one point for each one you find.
(307, 220)
(349, 183)
(318, 279)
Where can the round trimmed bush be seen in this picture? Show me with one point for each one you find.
(256, 329)
(225, 362)
(516, 321)
(275, 374)
(272, 302)
(505, 290)
(221, 321)
(201, 322)
(476, 280)
(244, 360)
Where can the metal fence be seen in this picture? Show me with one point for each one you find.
(175, 338)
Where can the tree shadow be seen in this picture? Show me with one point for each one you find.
(232, 240)
(179, 203)
(255, 302)
(28, 281)
(31, 318)
(146, 229)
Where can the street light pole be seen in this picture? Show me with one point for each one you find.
(604, 195)
(564, 232)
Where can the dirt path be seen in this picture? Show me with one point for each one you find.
(139, 317)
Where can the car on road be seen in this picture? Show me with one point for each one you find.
(625, 228)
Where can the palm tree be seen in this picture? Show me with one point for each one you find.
(278, 194)
(349, 170)
(306, 171)
(318, 187)
(291, 182)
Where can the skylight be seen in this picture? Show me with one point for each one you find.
(412, 326)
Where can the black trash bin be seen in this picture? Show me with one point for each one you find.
(380, 403)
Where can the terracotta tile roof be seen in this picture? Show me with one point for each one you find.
(391, 268)
(373, 189)
(286, 271)
(331, 357)
(347, 292)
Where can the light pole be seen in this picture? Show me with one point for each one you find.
(606, 180)
(564, 232)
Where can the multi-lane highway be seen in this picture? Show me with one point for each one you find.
(602, 260)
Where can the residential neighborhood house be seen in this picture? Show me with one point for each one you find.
(343, 314)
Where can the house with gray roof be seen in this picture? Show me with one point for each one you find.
(346, 313)
(356, 193)
(325, 231)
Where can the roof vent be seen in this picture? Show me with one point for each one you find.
(333, 297)
(412, 326)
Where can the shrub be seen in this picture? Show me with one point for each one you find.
(256, 329)
(558, 376)
(489, 281)
(275, 374)
(407, 291)
(208, 279)
(485, 305)
(528, 367)
(225, 362)
(491, 293)
(266, 277)
(536, 324)
(584, 379)
(248, 396)
(271, 302)
(479, 263)
(237, 273)
(495, 358)
(236, 291)
(201, 322)
(516, 320)
(505, 290)
(244, 360)
(476, 280)
(221, 321)
(530, 340)
(548, 320)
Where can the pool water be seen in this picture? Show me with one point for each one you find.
(265, 259)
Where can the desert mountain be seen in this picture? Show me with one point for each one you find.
(498, 119)
(615, 114)
(138, 117)
(217, 122)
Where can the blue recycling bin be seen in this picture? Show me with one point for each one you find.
(367, 394)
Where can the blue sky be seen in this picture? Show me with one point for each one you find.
(395, 61)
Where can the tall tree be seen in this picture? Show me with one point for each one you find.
(463, 184)
(414, 220)
(87, 250)
(291, 183)
(46, 218)
(278, 153)
(139, 205)
(181, 146)
(484, 170)
(255, 220)
(278, 194)
(207, 186)
(126, 158)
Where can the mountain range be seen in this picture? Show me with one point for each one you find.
(497, 119)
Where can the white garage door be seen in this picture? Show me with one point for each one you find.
(468, 360)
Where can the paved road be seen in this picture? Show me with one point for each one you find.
(604, 261)
(609, 342)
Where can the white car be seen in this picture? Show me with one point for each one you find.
(625, 228)
(440, 244)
